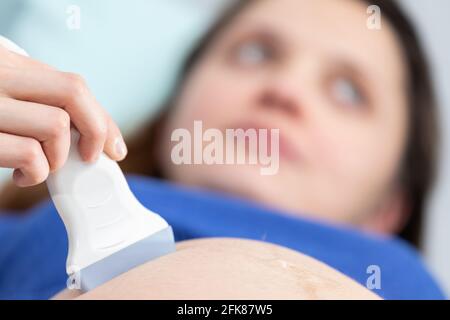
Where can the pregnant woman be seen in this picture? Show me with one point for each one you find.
(358, 139)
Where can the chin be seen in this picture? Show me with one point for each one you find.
(242, 181)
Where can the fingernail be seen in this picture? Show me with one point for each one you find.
(120, 148)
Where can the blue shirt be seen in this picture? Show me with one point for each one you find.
(34, 246)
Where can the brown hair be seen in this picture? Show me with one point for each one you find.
(420, 157)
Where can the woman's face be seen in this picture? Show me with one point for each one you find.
(334, 88)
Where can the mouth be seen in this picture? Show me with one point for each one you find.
(286, 150)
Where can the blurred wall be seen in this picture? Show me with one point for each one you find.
(432, 18)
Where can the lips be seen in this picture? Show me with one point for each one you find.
(287, 149)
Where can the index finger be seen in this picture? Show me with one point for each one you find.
(65, 90)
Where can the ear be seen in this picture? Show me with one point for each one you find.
(391, 216)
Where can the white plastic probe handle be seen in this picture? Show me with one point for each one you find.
(99, 211)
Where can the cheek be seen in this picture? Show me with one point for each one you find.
(362, 156)
(213, 96)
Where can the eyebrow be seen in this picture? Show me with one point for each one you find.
(261, 32)
(350, 67)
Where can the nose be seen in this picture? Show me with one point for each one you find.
(274, 99)
(279, 93)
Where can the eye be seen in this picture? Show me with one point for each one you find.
(346, 92)
(253, 53)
